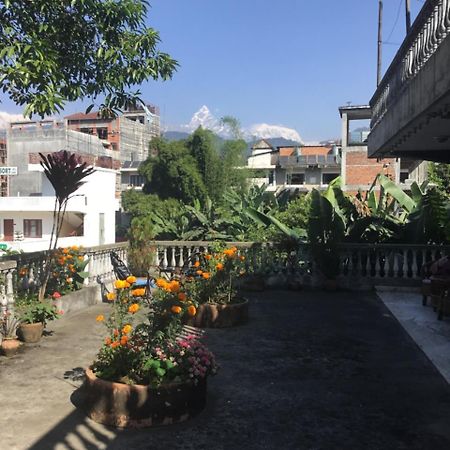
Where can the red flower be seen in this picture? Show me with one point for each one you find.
(56, 294)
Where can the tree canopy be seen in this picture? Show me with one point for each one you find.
(58, 51)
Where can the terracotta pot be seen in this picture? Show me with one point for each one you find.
(30, 332)
(10, 346)
(139, 406)
(214, 315)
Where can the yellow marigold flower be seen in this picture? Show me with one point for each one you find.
(134, 308)
(199, 272)
(208, 257)
(206, 275)
(66, 250)
(100, 318)
(115, 344)
(74, 247)
(126, 284)
(182, 296)
(197, 264)
(119, 284)
(174, 286)
(161, 282)
(110, 296)
(176, 309)
(123, 340)
(131, 279)
(127, 329)
(192, 310)
(219, 266)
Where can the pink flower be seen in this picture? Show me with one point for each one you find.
(56, 294)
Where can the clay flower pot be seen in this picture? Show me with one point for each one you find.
(138, 406)
(10, 346)
(215, 315)
(30, 332)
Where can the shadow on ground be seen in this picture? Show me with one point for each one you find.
(311, 370)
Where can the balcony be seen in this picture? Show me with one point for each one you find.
(308, 161)
(411, 106)
(40, 204)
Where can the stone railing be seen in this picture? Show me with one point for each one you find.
(7, 270)
(430, 28)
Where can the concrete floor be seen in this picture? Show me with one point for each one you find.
(430, 334)
(311, 370)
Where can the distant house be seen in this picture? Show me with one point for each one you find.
(26, 222)
(283, 164)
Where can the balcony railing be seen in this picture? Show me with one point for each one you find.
(361, 266)
(308, 160)
(430, 28)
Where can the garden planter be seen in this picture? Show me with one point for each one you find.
(138, 406)
(214, 315)
(10, 347)
(30, 332)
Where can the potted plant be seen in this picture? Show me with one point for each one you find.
(212, 285)
(147, 372)
(33, 316)
(8, 328)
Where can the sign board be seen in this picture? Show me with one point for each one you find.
(8, 171)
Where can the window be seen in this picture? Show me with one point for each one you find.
(404, 176)
(327, 178)
(32, 228)
(137, 180)
(102, 133)
(296, 178)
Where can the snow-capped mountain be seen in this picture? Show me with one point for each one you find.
(206, 119)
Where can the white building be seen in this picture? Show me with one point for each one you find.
(26, 222)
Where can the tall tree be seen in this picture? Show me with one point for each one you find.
(173, 173)
(58, 51)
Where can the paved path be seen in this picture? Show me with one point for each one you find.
(311, 370)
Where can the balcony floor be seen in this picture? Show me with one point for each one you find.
(311, 370)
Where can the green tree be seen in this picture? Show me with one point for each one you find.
(439, 174)
(173, 173)
(202, 147)
(58, 51)
(234, 172)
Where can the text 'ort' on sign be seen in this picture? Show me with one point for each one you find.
(8, 170)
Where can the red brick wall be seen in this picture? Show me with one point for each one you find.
(360, 170)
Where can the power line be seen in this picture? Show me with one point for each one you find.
(396, 20)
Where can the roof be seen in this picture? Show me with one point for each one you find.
(276, 143)
(82, 116)
(315, 150)
(131, 164)
(356, 111)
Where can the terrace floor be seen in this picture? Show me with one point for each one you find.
(311, 370)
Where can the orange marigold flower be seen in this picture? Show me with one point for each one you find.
(182, 296)
(199, 272)
(161, 282)
(115, 344)
(174, 286)
(61, 261)
(219, 266)
(127, 329)
(197, 264)
(119, 284)
(131, 279)
(208, 257)
(110, 296)
(123, 340)
(81, 258)
(126, 284)
(116, 332)
(69, 280)
(100, 318)
(23, 271)
(74, 247)
(176, 309)
(206, 275)
(108, 341)
(66, 250)
(242, 258)
(69, 256)
(134, 308)
(192, 310)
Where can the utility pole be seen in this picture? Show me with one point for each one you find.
(408, 15)
(380, 43)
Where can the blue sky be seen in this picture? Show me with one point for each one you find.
(290, 63)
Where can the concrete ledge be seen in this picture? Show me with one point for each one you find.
(75, 301)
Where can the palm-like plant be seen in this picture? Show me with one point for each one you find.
(65, 171)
